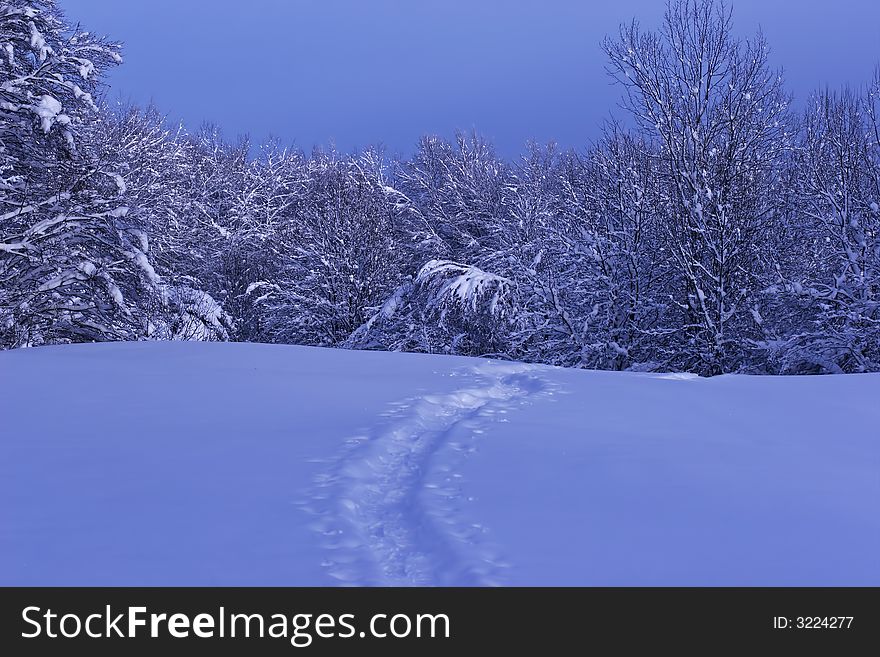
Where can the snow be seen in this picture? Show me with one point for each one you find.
(116, 294)
(86, 68)
(121, 187)
(197, 316)
(49, 111)
(38, 43)
(256, 286)
(143, 263)
(142, 238)
(466, 284)
(728, 481)
(242, 464)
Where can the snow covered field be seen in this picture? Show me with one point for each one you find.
(203, 463)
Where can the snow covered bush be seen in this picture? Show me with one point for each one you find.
(472, 308)
(191, 314)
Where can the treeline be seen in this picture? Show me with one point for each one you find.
(715, 229)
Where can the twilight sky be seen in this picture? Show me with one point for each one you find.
(367, 71)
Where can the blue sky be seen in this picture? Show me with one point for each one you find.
(359, 72)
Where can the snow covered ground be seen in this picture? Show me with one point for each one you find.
(213, 464)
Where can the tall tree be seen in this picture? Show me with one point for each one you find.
(719, 117)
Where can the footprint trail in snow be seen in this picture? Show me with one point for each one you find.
(388, 515)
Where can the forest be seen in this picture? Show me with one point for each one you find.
(717, 226)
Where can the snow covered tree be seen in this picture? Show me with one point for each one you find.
(719, 118)
(71, 264)
(212, 179)
(457, 190)
(614, 241)
(470, 306)
(715, 233)
(539, 254)
(449, 204)
(152, 163)
(183, 188)
(837, 282)
(265, 203)
(340, 255)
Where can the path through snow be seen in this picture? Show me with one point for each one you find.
(387, 512)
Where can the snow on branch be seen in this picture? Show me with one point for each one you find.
(467, 286)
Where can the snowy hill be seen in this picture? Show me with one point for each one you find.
(196, 463)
